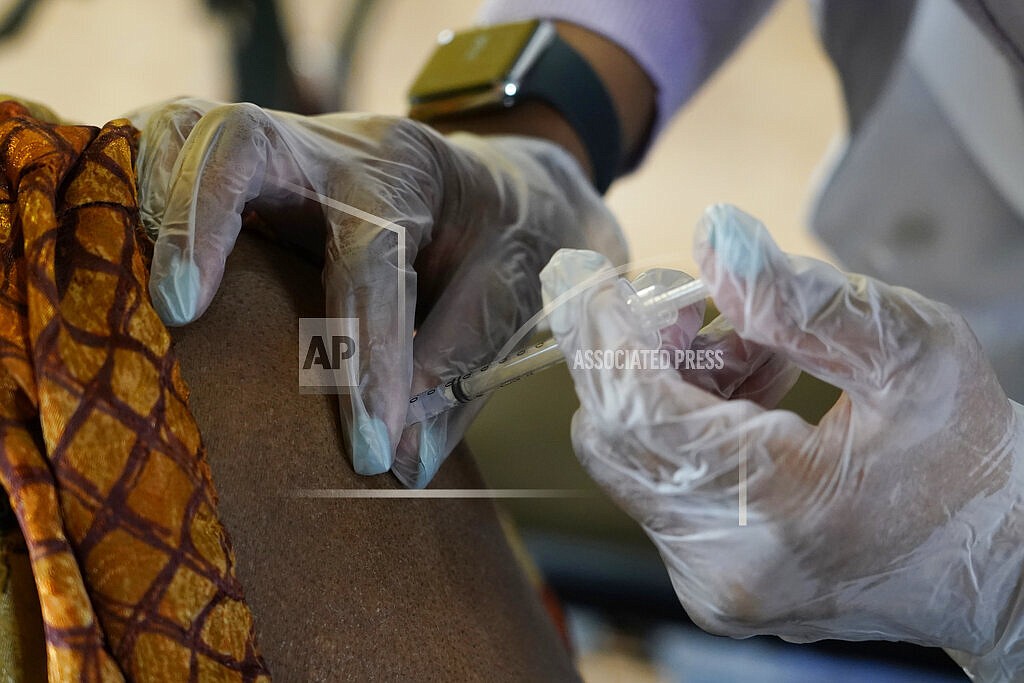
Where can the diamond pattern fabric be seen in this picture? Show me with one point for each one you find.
(100, 457)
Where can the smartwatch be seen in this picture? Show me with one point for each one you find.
(495, 67)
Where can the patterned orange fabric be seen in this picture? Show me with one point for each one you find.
(100, 457)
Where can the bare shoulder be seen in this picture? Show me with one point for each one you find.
(350, 589)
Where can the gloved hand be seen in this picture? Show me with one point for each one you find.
(481, 217)
(899, 517)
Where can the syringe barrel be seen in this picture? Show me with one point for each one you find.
(429, 403)
(483, 380)
(655, 297)
(515, 366)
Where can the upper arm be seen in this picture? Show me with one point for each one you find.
(344, 589)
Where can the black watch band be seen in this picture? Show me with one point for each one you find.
(494, 67)
(565, 81)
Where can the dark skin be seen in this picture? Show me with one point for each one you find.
(345, 589)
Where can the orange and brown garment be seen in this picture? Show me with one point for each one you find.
(100, 457)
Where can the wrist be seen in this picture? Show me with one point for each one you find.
(532, 119)
(999, 655)
(601, 116)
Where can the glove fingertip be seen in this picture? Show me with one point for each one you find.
(417, 466)
(734, 241)
(568, 268)
(371, 446)
(174, 290)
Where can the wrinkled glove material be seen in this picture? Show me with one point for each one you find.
(454, 228)
(897, 517)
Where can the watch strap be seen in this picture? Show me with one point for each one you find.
(565, 81)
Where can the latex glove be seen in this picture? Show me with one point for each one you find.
(481, 218)
(898, 517)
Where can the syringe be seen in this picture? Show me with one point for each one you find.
(655, 296)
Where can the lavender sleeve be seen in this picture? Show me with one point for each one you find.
(679, 43)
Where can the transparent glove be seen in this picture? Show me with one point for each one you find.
(898, 517)
(481, 217)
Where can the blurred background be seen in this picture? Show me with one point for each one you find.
(758, 136)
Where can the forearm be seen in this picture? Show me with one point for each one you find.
(678, 43)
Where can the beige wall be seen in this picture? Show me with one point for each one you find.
(753, 137)
(92, 60)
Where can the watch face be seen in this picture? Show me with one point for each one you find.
(472, 60)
